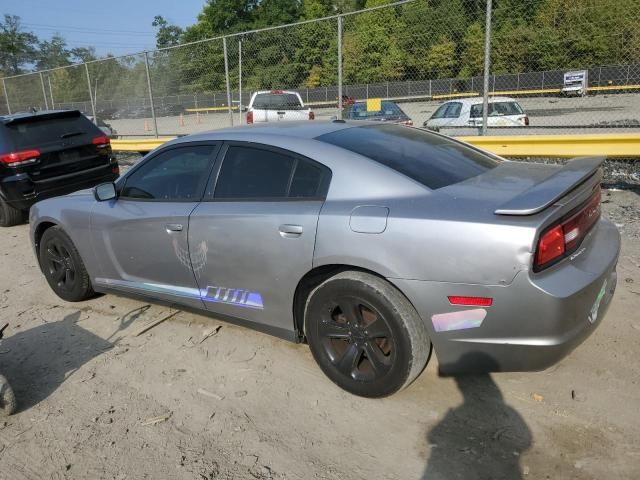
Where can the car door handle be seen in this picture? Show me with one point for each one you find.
(173, 227)
(290, 231)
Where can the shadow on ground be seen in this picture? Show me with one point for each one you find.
(37, 361)
(482, 439)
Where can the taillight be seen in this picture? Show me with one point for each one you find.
(525, 120)
(550, 246)
(564, 238)
(101, 141)
(312, 116)
(470, 301)
(115, 170)
(22, 157)
(249, 118)
(277, 92)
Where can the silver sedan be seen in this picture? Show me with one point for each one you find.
(372, 242)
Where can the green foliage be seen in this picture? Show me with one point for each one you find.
(17, 48)
(424, 39)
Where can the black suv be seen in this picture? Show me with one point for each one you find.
(49, 153)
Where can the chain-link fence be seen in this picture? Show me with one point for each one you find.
(555, 65)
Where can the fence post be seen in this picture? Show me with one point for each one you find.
(240, 80)
(487, 67)
(226, 78)
(53, 105)
(44, 92)
(430, 89)
(6, 96)
(599, 76)
(518, 82)
(153, 109)
(367, 91)
(628, 74)
(93, 105)
(542, 86)
(340, 68)
(387, 89)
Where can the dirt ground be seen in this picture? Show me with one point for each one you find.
(183, 402)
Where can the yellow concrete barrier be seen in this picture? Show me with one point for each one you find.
(560, 146)
(552, 146)
(138, 144)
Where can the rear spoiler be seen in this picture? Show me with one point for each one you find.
(33, 117)
(553, 188)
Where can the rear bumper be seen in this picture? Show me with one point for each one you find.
(533, 323)
(20, 191)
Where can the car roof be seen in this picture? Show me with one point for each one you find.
(20, 115)
(304, 129)
(476, 100)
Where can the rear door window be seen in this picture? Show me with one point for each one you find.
(38, 131)
(433, 160)
(254, 173)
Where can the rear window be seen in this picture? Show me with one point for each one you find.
(497, 109)
(37, 131)
(433, 160)
(274, 101)
(358, 111)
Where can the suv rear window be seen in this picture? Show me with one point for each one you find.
(497, 109)
(46, 129)
(433, 160)
(358, 111)
(274, 101)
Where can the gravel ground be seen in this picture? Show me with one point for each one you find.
(187, 400)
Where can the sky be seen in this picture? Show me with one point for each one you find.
(112, 26)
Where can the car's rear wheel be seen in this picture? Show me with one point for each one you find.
(10, 216)
(62, 266)
(365, 335)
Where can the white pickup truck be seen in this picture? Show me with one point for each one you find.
(277, 106)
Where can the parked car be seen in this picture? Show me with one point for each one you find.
(49, 153)
(373, 242)
(106, 128)
(277, 106)
(467, 112)
(389, 112)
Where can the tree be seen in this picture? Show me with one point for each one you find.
(441, 58)
(371, 50)
(17, 48)
(167, 35)
(472, 57)
(53, 53)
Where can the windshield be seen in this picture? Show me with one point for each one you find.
(497, 109)
(433, 160)
(358, 111)
(275, 101)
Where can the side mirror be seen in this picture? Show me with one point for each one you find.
(104, 192)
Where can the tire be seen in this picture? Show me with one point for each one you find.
(378, 347)
(8, 402)
(10, 216)
(62, 266)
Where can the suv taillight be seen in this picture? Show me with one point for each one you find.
(564, 238)
(249, 118)
(22, 157)
(101, 141)
(312, 116)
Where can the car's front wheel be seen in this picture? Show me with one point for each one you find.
(365, 335)
(62, 266)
